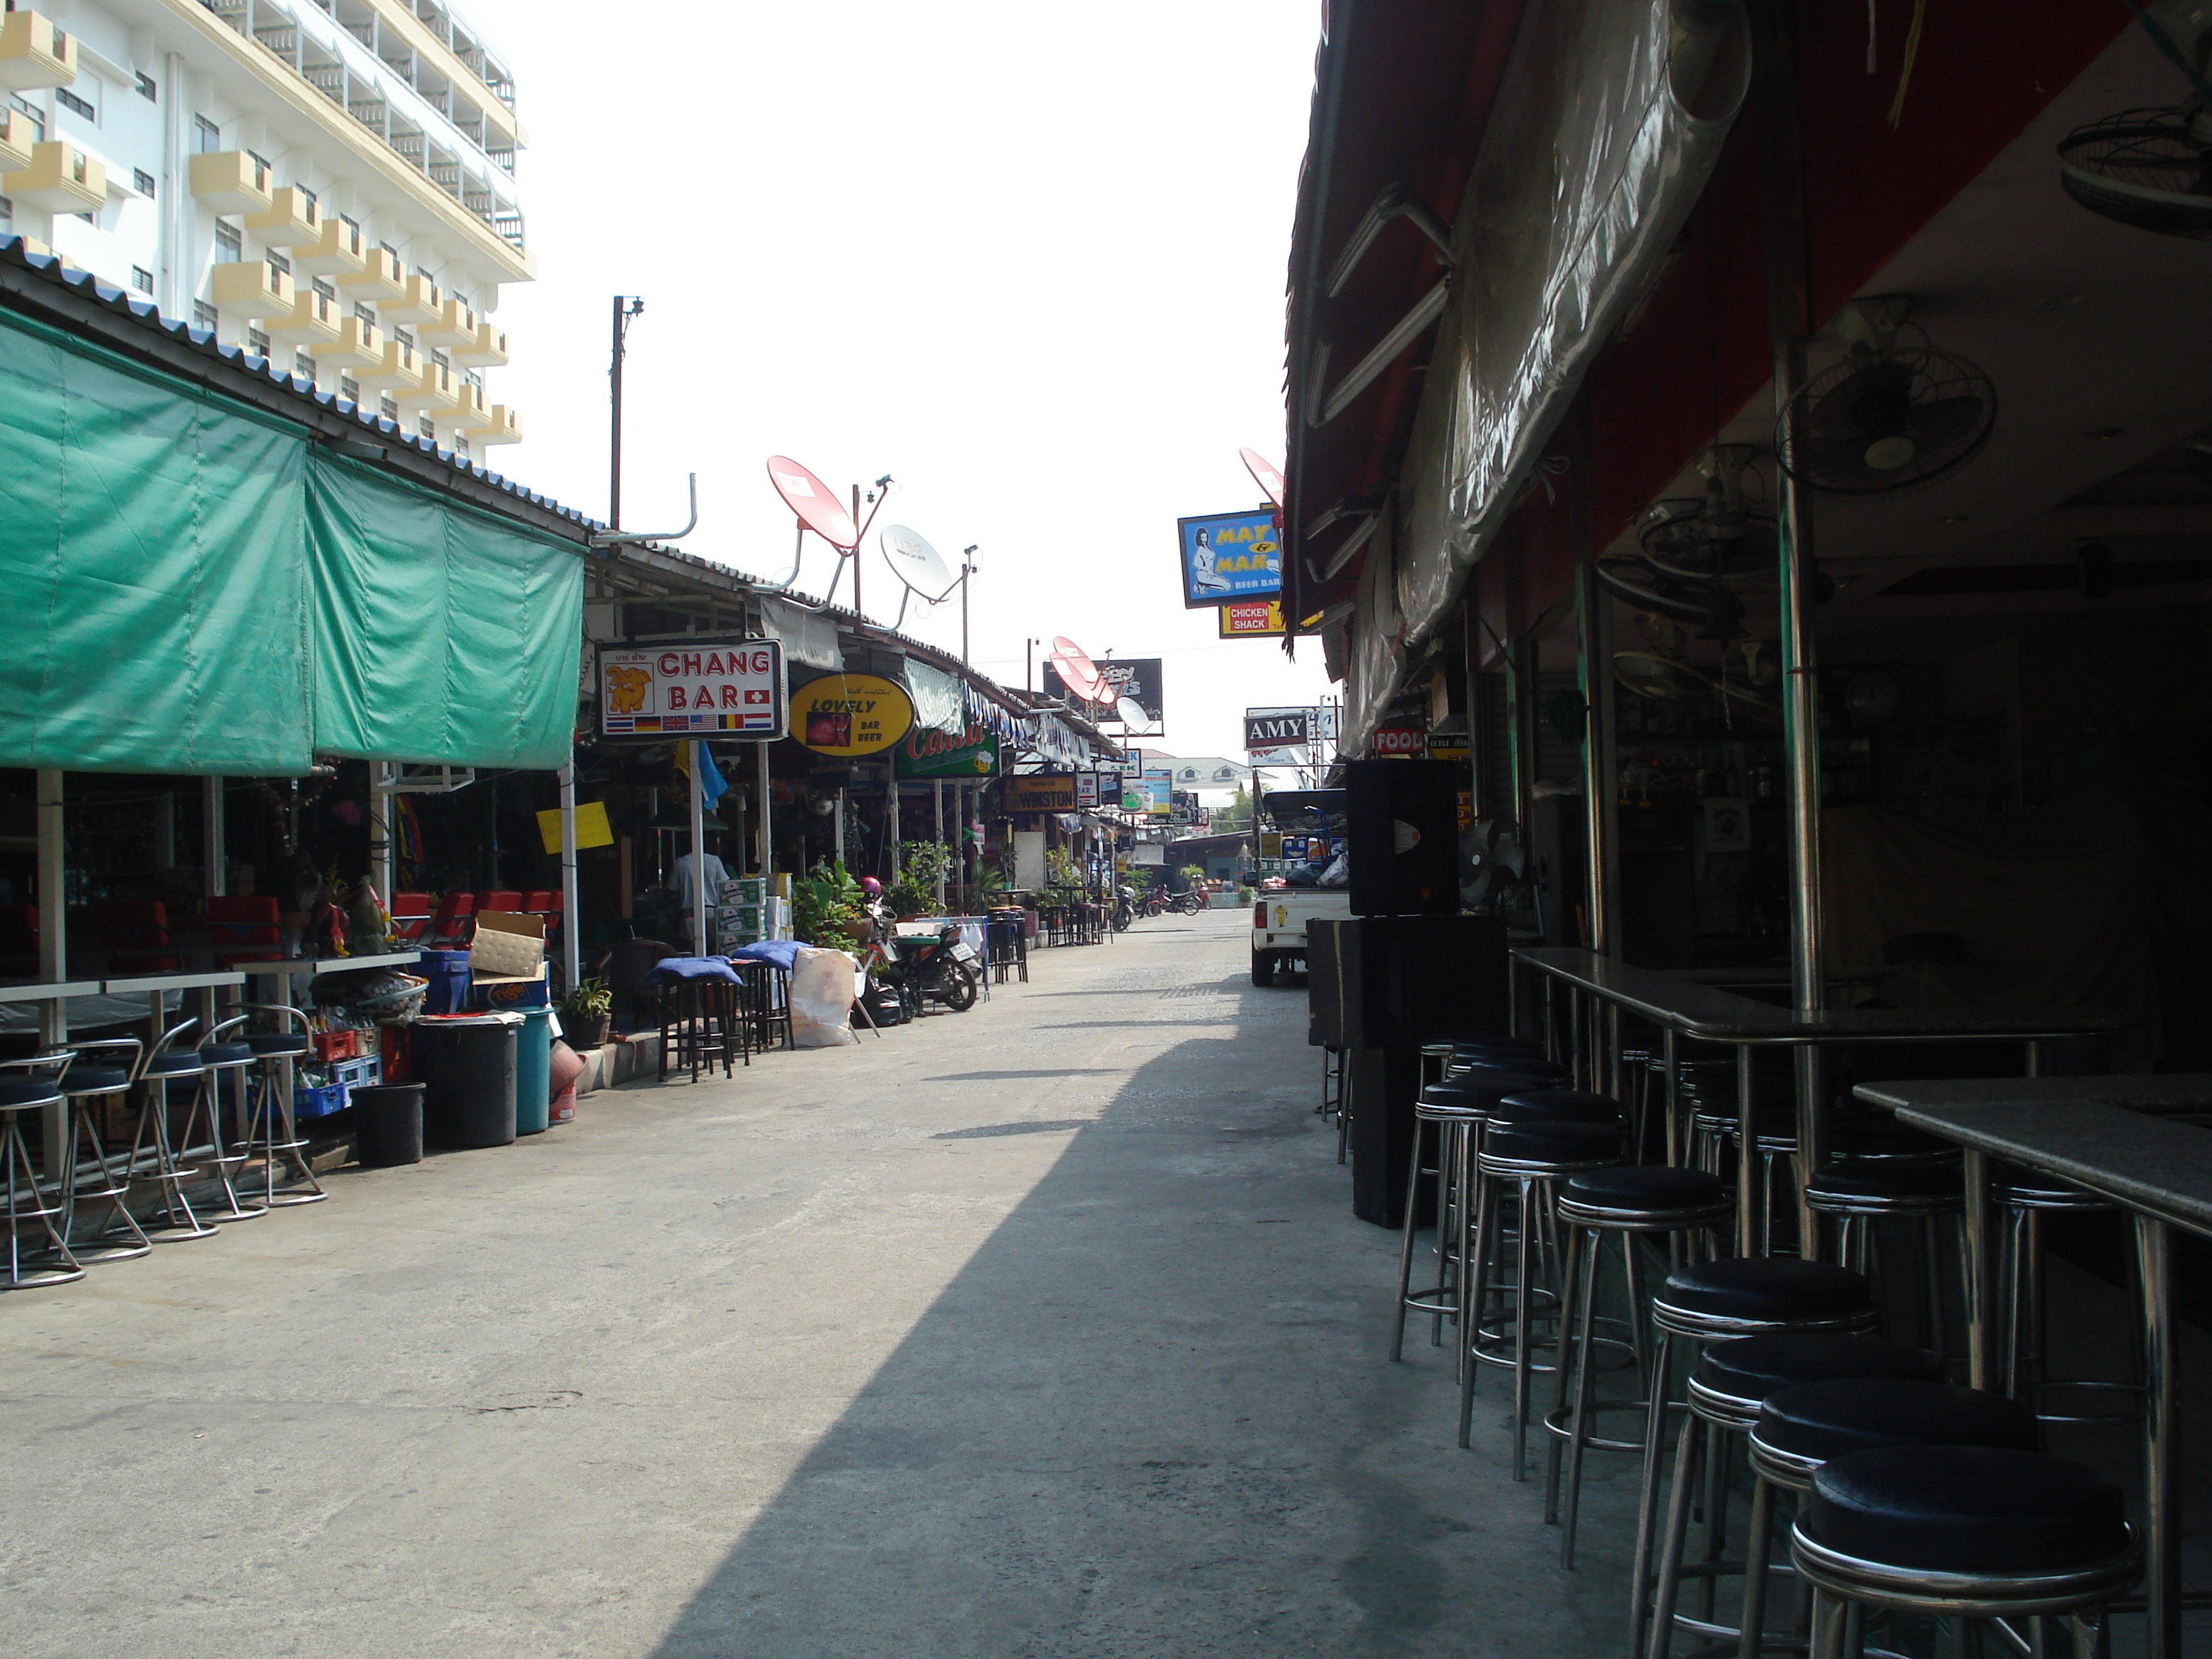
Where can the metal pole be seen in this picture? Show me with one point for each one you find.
(839, 832)
(857, 610)
(891, 817)
(698, 852)
(1782, 181)
(571, 940)
(937, 806)
(613, 433)
(216, 879)
(380, 831)
(54, 954)
(764, 851)
(2161, 1454)
(1600, 790)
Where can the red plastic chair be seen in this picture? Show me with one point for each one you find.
(538, 903)
(137, 935)
(243, 929)
(453, 925)
(410, 914)
(501, 900)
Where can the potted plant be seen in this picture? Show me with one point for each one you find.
(827, 908)
(585, 1013)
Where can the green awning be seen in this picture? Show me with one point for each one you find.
(193, 587)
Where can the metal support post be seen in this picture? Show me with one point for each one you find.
(2162, 1453)
(572, 931)
(53, 952)
(1601, 784)
(211, 836)
(698, 852)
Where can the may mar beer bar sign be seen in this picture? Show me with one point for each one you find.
(731, 688)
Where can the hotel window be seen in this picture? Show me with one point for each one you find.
(324, 288)
(203, 316)
(257, 343)
(142, 182)
(427, 429)
(229, 243)
(349, 388)
(207, 136)
(147, 89)
(84, 107)
(388, 408)
(365, 311)
(303, 364)
(141, 279)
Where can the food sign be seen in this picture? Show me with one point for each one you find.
(853, 714)
(729, 688)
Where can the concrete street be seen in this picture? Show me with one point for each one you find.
(1044, 1330)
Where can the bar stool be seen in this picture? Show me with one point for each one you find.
(2025, 1197)
(1861, 1192)
(1804, 1425)
(271, 1131)
(1533, 1141)
(173, 1221)
(1961, 1532)
(1470, 1062)
(26, 1203)
(86, 1085)
(1708, 1302)
(1629, 1203)
(225, 1059)
(1445, 1116)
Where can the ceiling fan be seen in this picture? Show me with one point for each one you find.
(1894, 415)
(2151, 168)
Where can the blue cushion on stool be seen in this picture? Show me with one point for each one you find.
(27, 1091)
(1767, 1287)
(1833, 1418)
(225, 1054)
(178, 1062)
(96, 1080)
(1964, 1509)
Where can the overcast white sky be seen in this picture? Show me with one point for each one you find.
(1028, 260)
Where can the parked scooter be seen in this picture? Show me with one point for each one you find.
(1125, 907)
(1157, 901)
(944, 970)
(1189, 902)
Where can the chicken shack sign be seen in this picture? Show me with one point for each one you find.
(722, 687)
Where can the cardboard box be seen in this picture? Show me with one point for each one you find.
(507, 962)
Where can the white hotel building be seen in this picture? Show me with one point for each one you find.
(328, 184)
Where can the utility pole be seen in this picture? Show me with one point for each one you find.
(627, 306)
(967, 570)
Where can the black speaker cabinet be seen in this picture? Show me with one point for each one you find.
(1401, 836)
(1395, 981)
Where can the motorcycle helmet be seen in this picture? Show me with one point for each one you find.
(872, 887)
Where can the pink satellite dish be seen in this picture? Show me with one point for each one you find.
(1078, 672)
(816, 503)
(1266, 474)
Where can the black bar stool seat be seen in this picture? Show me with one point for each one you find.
(1804, 1425)
(1704, 1297)
(1733, 1379)
(1545, 1073)
(1888, 1186)
(1885, 1139)
(97, 1079)
(1653, 1195)
(1556, 1106)
(175, 1063)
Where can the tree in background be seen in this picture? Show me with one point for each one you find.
(1237, 815)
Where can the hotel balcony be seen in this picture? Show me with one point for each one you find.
(399, 369)
(33, 53)
(455, 325)
(61, 179)
(380, 277)
(435, 393)
(419, 300)
(311, 321)
(471, 412)
(231, 181)
(19, 136)
(253, 289)
(489, 350)
(505, 427)
(340, 250)
(359, 345)
(293, 219)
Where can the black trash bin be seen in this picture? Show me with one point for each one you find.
(388, 1130)
(467, 1065)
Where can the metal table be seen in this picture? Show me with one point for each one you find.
(2159, 1170)
(1681, 1008)
(285, 973)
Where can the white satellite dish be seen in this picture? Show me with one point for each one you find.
(1132, 712)
(916, 563)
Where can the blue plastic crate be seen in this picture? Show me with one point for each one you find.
(319, 1103)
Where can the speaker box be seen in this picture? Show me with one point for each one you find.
(1395, 981)
(1401, 836)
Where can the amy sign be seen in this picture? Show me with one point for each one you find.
(1277, 737)
(731, 688)
(927, 754)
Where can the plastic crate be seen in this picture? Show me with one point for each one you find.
(362, 1073)
(327, 1046)
(319, 1103)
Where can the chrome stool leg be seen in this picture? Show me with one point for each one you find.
(273, 1134)
(173, 1222)
(26, 1202)
(111, 1185)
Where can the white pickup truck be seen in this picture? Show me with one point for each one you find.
(1280, 918)
(1279, 926)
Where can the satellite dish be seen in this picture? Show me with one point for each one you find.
(1266, 474)
(1076, 671)
(1132, 712)
(814, 501)
(916, 563)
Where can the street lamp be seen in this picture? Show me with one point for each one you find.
(966, 569)
(627, 307)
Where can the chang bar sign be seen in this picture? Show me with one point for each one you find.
(854, 714)
(927, 754)
(732, 688)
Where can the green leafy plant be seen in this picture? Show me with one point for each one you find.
(1192, 872)
(826, 903)
(590, 999)
(922, 864)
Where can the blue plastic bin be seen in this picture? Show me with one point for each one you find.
(448, 974)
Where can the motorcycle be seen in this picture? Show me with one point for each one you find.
(944, 970)
(1189, 904)
(1156, 903)
(1125, 908)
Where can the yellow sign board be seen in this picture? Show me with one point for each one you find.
(855, 715)
(592, 827)
(1249, 619)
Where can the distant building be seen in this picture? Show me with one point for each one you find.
(327, 184)
(1214, 779)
